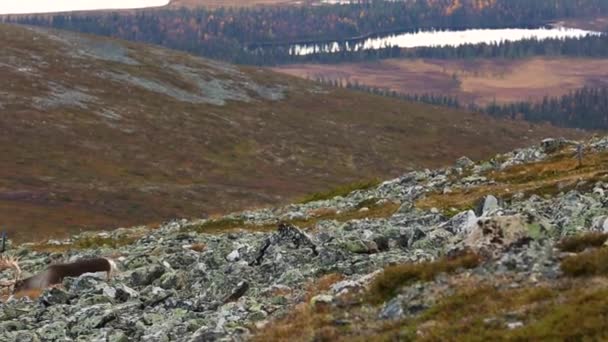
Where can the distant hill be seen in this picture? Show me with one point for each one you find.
(97, 133)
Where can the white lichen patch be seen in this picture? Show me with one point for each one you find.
(83, 47)
(61, 96)
(110, 114)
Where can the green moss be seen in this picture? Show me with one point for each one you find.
(453, 211)
(343, 190)
(535, 231)
(98, 241)
(87, 242)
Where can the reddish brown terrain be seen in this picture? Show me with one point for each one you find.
(481, 81)
(98, 133)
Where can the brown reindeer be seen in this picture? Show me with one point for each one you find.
(54, 274)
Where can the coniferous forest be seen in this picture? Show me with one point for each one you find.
(588, 46)
(261, 36)
(585, 108)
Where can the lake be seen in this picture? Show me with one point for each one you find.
(48, 6)
(441, 38)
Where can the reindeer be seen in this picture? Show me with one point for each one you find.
(54, 274)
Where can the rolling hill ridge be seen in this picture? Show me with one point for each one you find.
(97, 133)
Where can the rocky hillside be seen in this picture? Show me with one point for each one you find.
(96, 133)
(508, 248)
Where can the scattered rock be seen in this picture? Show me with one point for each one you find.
(497, 232)
(321, 300)
(464, 162)
(54, 296)
(243, 279)
(146, 275)
(490, 205)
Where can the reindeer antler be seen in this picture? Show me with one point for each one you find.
(8, 263)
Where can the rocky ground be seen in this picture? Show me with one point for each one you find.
(243, 276)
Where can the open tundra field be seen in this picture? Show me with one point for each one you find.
(98, 133)
(481, 81)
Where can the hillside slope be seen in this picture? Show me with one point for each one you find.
(96, 133)
(510, 249)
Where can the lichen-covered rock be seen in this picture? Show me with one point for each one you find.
(146, 275)
(90, 318)
(53, 331)
(54, 296)
(498, 232)
(462, 223)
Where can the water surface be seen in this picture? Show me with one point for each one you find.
(442, 38)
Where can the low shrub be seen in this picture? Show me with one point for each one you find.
(579, 243)
(590, 263)
(392, 278)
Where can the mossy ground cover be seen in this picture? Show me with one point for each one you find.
(343, 190)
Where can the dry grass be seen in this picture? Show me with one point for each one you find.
(547, 313)
(198, 247)
(472, 313)
(579, 243)
(305, 320)
(481, 80)
(590, 263)
(471, 309)
(322, 322)
(559, 173)
(387, 284)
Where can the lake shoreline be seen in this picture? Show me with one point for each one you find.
(438, 37)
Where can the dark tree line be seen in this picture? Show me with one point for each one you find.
(585, 108)
(433, 99)
(259, 35)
